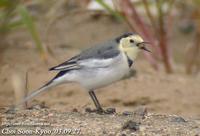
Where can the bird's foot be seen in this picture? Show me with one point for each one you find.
(101, 111)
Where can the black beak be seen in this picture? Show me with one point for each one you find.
(143, 47)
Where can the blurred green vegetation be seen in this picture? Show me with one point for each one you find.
(14, 15)
(152, 19)
(115, 13)
(159, 13)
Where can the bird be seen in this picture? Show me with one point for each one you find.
(98, 66)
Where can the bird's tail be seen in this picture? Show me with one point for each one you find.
(54, 82)
(42, 89)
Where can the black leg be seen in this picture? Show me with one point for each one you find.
(95, 100)
(98, 106)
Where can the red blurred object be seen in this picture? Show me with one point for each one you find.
(137, 25)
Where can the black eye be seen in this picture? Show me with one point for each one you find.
(131, 41)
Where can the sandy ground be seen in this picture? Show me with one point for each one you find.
(138, 123)
(177, 93)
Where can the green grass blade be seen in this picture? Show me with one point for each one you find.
(11, 26)
(29, 23)
(109, 9)
(5, 3)
(15, 25)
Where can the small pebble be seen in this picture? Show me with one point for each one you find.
(11, 111)
(127, 113)
(50, 114)
(141, 111)
(177, 119)
(132, 125)
(89, 110)
(10, 117)
(75, 110)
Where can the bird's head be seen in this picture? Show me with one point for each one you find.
(131, 44)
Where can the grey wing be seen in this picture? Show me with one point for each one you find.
(101, 60)
(67, 65)
(98, 56)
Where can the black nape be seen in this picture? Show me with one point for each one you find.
(123, 36)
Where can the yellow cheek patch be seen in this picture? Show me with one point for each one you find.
(137, 38)
(130, 51)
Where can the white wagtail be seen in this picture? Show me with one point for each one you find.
(97, 66)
